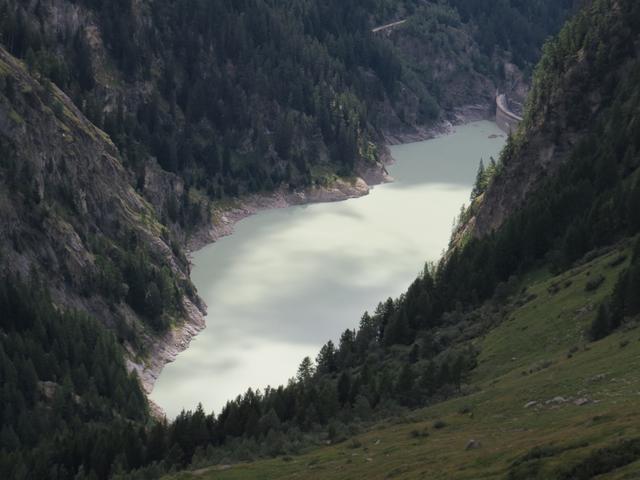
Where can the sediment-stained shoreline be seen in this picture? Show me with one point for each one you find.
(224, 219)
(165, 350)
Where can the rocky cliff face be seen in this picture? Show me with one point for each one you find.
(107, 180)
(574, 88)
(94, 216)
(443, 82)
(68, 209)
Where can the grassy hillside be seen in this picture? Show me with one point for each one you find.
(585, 394)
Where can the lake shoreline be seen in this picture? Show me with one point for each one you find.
(225, 218)
(178, 339)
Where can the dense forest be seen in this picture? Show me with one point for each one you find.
(66, 393)
(588, 204)
(210, 100)
(245, 96)
(204, 102)
(249, 95)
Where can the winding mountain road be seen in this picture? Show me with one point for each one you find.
(501, 103)
(388, 26)
(505, 118)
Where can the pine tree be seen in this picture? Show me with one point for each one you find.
(490, 171)
(428, 379)
(344, 387)
(480, 183)
(345, 354)
(458, 371)
(406, 379)
(305, 371)
(367, 333)
(385, 383)
(327, 402)
(398, 330)
(600, 326)
(384, 311)
(269, 421)
(157, 442)
(632, 293)
(326, 359)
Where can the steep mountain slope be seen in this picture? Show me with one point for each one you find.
(582, 103)
(188, 104)
(568, 180)
(71, 217)
(526, 319)
(456, 54)
(243, 96)
(162, 108)
(542, 404)
(66, 394)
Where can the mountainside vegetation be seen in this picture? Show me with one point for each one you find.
(573, 171)
(543, 403)
(67, 398)
(247, 95)
(70, 214)
(197, 103)
(125, 120)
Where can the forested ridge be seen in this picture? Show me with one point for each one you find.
(248, 96)
(210, 100)
(245, 96)
(67, 398)
(416, 349)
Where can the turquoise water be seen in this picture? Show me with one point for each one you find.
(288, 280)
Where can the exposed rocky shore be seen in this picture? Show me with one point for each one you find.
(460, 116)
(165, 349)
(224, 218)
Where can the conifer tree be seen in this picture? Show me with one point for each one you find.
(406, 379)
(326, 360)
(600, 326)
(479, 185)
(305, 371)
(344, 387)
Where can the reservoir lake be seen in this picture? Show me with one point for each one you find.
(290, 279)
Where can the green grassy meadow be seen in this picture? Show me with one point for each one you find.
(587, 397)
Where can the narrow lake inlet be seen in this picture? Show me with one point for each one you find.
(288, 280)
